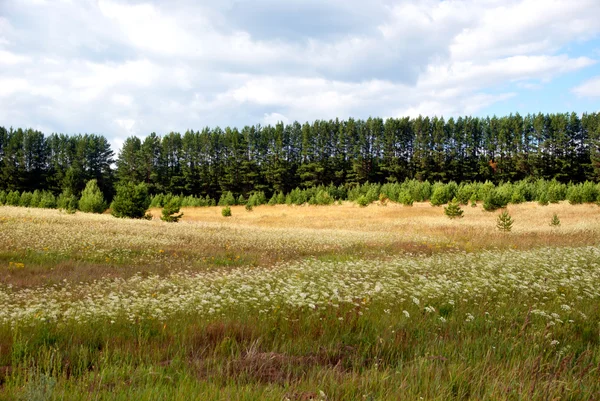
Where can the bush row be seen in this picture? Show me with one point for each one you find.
(407, 192)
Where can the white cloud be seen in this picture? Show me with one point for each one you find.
(590, 88)
(122, 67)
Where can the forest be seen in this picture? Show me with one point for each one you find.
(278, 159)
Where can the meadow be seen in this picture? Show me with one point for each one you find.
(291, 302)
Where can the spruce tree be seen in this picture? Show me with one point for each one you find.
(555, 221)
(92, 200)
(453, 209)
(131, 201)
(169, 211)
(504, 221)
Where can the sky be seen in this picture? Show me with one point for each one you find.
(123, 67)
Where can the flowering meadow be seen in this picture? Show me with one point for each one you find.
(93, 307)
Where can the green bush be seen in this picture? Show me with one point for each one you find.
(92, 200)
(464, 193)
(2, 197)
(574, 195)
(453, 209)
(131, 201)
(47, 201)
(13, 198)
(589, 192)
(556, 191)
(67, 201)
(226, 211)
(169, 211)
(494, 200)
(441, 195)
(362, 201)
(241, 200)
(504, 222)
(405, 198)
(25, 200)
(35, 198)
(227, 199)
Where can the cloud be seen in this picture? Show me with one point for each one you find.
(124, 67)
(589, 88)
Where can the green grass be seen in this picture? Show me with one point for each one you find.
(437, 325)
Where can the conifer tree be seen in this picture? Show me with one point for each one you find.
(504, 221)
(92, 200)
(169, 211)
(453, 209)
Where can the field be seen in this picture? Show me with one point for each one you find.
(301, 302)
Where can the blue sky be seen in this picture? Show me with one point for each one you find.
(124, 67)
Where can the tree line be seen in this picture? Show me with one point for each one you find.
(277, 159)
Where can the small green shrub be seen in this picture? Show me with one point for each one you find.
(131, 201)
(543, 199)
(249, 207)
(453, 210)
(92, 200)
(13, 198)
(405, 198)
(362, 201)
(555, 221)
(494, 200)
(35, 198)
(226, 211)
(25, 200)
(227, 199)
(47, 201)
(504, 222)
(170, 210)
(441, 195)
(67, 201)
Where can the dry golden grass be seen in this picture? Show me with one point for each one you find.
(81, 247)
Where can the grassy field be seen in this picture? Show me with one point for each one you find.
(299, 303)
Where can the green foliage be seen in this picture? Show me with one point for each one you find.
(473, 200)
(453, 209)
(226, 211)
(2, 197)
(13, 198)
(442, 194)
(362, 200)
(131, 201)
(555, 221)
(543, 199)
(67, 201)
(504, 221)
(35, 198)
(170, 210)
(92, 199)
(494, 200)
(273, 200)
(25, 200)
(241, 200)
(227, 199)
(47, 201)
(249, 207)
(405, 198)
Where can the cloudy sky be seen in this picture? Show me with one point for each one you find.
(124, 67)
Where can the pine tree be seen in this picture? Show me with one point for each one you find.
(504, 221)
(453, 209)
(131, 201)
(555, 221)
(169, 211)
(92, 200)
